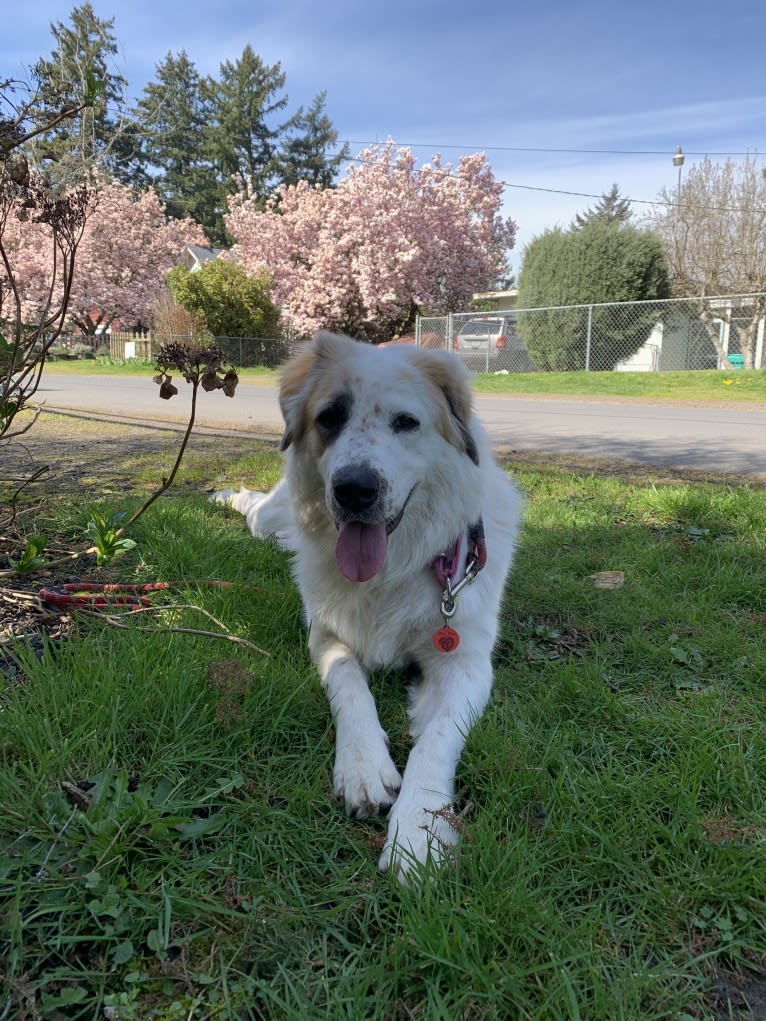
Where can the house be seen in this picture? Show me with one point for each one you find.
(194, 257)
(494, 301)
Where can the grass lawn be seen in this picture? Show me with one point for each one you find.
(710, 385)
(170, 846)
(740, 385)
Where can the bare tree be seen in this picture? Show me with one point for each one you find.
(56, 213)
(713, 229)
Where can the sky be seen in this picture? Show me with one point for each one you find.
(562, 97)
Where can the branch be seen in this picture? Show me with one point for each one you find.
(117, 620)
(168, 482)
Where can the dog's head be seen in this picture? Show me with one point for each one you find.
(387, 431)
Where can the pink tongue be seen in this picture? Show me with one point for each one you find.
(361, 550)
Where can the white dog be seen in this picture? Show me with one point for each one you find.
(403, 530)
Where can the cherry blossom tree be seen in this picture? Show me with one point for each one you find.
(390, 239)
(127, 248)
(48, 210)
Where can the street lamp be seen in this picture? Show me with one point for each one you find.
(678, 161)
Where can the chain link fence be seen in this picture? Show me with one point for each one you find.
(244, 352)
(725, 332)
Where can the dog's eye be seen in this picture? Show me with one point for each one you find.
(332, 418)
(404, 423)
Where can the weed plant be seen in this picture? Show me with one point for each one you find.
(170, 845)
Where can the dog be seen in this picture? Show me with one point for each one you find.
(402, 529)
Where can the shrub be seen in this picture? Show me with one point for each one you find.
(598, 263)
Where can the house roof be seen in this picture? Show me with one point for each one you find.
(193, 257)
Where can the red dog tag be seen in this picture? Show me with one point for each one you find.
(446, 639)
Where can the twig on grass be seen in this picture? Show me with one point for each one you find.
(14, 501)
(118, 620)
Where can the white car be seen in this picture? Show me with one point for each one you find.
(491, 343)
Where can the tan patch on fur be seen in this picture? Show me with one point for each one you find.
(456, 400)
(296, 372)
(321, 356)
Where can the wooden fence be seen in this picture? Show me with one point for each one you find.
(124, 346)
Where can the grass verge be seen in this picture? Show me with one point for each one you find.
(170, 848)
(701, 386)
(742, 386)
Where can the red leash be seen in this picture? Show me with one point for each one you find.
(97, 595)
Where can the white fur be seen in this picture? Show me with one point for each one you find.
(355, 627)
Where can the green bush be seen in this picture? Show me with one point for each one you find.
(598, 263)
(228, 301)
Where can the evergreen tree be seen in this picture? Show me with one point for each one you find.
(196, 137)
(306, 153)
(243, 139)
(81, 60)
(597, 265)
(173, 117)
(610, 209)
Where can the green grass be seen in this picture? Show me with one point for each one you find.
(740, 385)
(612, 861)
(134, 367)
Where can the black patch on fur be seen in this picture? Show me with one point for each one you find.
(331, 419)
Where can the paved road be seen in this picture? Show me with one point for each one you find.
(721, 438)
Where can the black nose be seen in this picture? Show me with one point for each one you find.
(356, 488)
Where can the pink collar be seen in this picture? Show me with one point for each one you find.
(447, 564)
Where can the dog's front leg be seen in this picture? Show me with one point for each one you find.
(451, 697)
(266, 513)
(364, 779)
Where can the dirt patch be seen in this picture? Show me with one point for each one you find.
(101, 455)
(739, 997)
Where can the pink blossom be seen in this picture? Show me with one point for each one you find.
(127, 248)
(389, 238)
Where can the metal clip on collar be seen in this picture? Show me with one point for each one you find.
(450, 594)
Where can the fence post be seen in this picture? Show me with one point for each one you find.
(587, 338)
(417, 330)
(448, 338)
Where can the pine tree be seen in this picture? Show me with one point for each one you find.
(173, 119)
(244, 140)
(306, 153)
(80, 63)
(610, 209)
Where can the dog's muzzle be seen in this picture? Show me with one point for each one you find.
(356, 490)
(358, 494)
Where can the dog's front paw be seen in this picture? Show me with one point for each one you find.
(365, 780)
(222, 497)
(417, 837)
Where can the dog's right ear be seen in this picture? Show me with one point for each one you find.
(451, 378)
(292, 393)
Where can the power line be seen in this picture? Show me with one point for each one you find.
(525, 148)
(585, 194)
(581, 194)
(642, 202)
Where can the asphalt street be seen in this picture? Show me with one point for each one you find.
(716, 438)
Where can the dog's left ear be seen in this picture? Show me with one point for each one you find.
(292, 393)
(446, 373)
